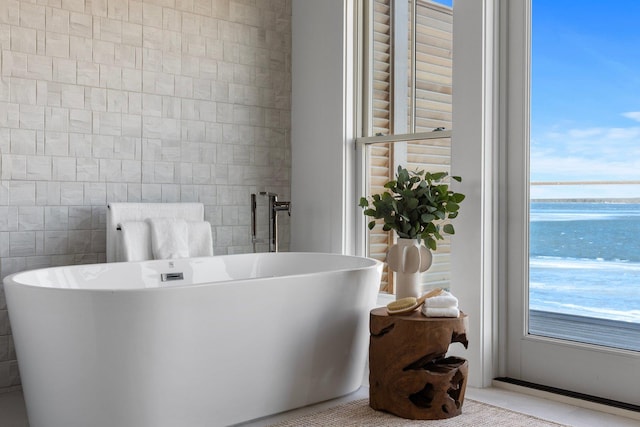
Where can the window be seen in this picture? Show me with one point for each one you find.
(407, 106)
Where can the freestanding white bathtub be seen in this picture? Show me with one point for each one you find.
(223, 340)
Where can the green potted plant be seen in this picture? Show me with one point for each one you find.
(417, 207)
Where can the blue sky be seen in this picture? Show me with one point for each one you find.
(585, 96)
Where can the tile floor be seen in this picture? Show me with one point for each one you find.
(13, 414)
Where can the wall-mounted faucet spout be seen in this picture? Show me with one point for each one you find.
(275, 206)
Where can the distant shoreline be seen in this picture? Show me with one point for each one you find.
(585, 200)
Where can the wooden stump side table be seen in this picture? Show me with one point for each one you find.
(409, 375)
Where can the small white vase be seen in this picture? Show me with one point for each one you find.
(408, 259)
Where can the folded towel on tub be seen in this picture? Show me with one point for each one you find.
(136, 241)
(200, 239)
(440, 311)
(169, 238)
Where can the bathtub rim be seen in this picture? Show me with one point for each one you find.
(10, 280)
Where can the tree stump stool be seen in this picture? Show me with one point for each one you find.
(409, 375)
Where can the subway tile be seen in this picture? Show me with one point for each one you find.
(71, 193)
(79, 241)
(132, 34)
(10, 12)
(171, 19)
(98, 8)
(64, 169)
(116, 192)
(134, 193)
(107, 123)
(81, 25)
(95, 194)
(88, 74)
(22, 243)
(131, 125)
(23, 141)
(56, 119)
(4, 347)
(47, 193)
(99, 217)
(23, 91)
(4, 192)
(39, 261)
(151, 193)
(57, 20)
(32, 15)
(103, 52)
(135, 11)
(4, 324)
(73, 5)
(127, 147)
(14, 166)
(87, 169)
(81, 49)
(64, 71)
(128, 56)
(131, 80)
(118, 9)
(8, 218)
(103, 146)
(39, 168)
(96, 99)
(56, 143)
(23, 40)
(108, 30)
(56, 218)
(31, 117)
(135, 103)
(110, 77)
(9, 115)
(152, 15)
(80, 145)
(22, 193)
(57, 45)
(56, 242)
(80, 217)
(98, 240)
(110, 170)
(170, 193)
(80, 121)
(30, 218)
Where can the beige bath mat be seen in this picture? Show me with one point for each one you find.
(359, 414)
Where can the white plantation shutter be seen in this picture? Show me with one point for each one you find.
(380, 157)
(430, 103)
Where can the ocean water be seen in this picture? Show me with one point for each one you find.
(585, 259)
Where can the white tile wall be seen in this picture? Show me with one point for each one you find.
(129, 100)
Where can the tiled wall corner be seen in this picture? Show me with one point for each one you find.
(140, 101)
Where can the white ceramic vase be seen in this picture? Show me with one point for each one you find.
(408, 259)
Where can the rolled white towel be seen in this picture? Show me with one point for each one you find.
(200, 239)
(444, 300)
(440, 311)
(169, 238)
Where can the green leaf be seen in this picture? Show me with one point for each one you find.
(363, 202)
(371, 225)
(457, 197)
(457, 178)
(427, 217)
(448, 228)
(453, 207)
(431, 243)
